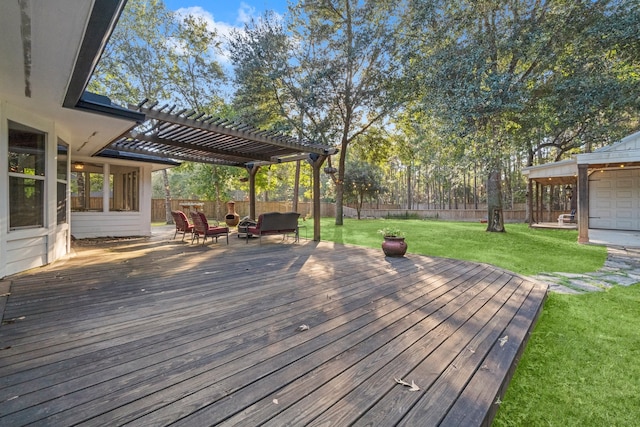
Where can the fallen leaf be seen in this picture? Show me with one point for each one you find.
(303, 328)
(412, 386)
(402, 382)
(503, 340)
(275, 401)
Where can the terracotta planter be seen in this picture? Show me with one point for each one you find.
(232, 218)
(394, 246)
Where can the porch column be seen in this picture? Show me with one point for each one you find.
(583, 204)
(253, 170)
(530, 200)
(538, 202)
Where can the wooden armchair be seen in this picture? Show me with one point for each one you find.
(202, 228)
(182, 224)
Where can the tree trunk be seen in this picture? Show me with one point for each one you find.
(409, 189)
(339, 198)
(340, 182)
(167, 197)
(495, 220)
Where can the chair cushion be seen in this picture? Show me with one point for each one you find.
(217, 230)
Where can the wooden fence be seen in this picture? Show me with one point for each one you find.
(219, 210)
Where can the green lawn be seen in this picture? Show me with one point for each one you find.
(521, 249)
(581, 366)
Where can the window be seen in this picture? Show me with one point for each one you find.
(124, 188)
(62, 182)
(88, 186)
(26, 176)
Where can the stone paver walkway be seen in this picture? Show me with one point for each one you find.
(622, 267)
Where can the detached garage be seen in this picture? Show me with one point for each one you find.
(605, 184)
(614, 199)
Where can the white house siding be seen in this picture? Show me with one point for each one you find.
(614, 199)
(31, 247)
(117, 224)
(25, 251)
(28, 248)
(109, 224)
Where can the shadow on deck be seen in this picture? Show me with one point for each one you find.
(156, 331)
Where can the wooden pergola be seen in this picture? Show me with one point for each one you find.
(195, 137)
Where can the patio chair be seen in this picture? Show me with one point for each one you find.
(567, 218)
(182, 224)
(275, 223)
(202, 228)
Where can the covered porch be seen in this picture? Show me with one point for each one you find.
(602, 187)
(187, 135)
(152, 331)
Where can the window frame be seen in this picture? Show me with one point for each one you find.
(38, 175)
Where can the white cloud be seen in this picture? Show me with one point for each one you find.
(221, 28)
(246, 13)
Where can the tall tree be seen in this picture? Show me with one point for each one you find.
(330, 72)
(156, 54)
(349, 44)
(362, 180)
(486, 65)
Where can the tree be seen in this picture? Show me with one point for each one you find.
(156, 54)
(487, 65)
(362, 180)
(349, 45)
(330, 72)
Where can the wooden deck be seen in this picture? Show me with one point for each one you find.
(151, 332)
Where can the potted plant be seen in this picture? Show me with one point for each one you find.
(394, 244)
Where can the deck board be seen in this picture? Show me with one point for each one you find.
(156, 331)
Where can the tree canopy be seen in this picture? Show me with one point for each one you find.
(448, 100)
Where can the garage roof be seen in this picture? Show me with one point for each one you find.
(623, 154)
(196, 137)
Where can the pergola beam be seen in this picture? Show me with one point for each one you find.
(190, 146)
(254, 135)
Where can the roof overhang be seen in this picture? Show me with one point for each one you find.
(623, 154)
(49, 50)
(196, 137)
(558, 173)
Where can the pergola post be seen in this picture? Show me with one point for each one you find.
(253, 170)
(316, 163)
(583, 203)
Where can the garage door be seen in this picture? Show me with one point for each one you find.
(614, 199)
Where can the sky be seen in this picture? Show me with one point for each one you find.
(225, 14)
(222, 16)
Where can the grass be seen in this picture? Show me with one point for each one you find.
(580, 367)
(521, 249)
